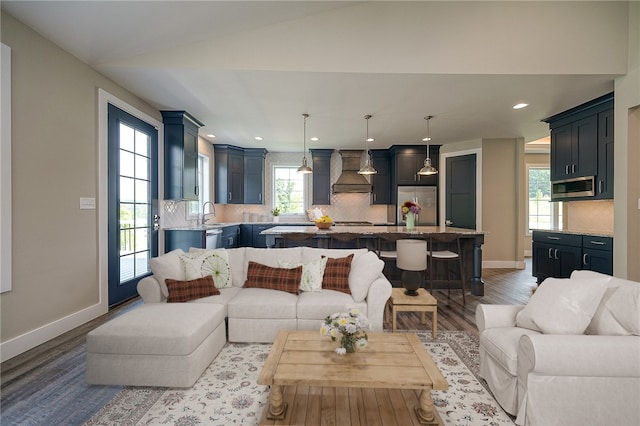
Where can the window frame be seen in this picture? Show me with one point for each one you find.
(306, 193)
(556, 207)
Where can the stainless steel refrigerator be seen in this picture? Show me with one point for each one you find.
(426, 197)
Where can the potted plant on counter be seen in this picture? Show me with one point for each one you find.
(276, 214)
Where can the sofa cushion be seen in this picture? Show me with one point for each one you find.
(317, 305)
(260, 303)
(618, 312)
(222, 299)
(364, 270)
(184, 291)
(281, 279)
(166, 266)
(562, 306)
(202, 262)
(312, 273)
(502, 344)
(238, 267)
(156, 329)
(336, 274)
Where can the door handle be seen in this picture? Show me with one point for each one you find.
(555, 254)
(584, 259)
(156, 222)
(550, 255)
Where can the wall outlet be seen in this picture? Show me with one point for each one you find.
(87, 203)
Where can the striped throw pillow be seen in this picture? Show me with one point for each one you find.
(336, 274)
(282, 279)
(183, 291)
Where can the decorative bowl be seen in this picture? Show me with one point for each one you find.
(324, 225)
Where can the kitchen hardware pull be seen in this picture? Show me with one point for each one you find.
(584, 259)
(555, 254)
(229, 195)
(600, 183)
(553, 238)
(566, 169)
(550, 256)
(598, 243)
(573, 168)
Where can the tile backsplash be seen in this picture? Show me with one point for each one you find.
(589, 216)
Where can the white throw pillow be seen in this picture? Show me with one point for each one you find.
(364, 270)
(562, 306)
(200, 263)
(312, 273)
(167, 266)
(618, 313)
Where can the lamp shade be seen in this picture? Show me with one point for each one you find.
(412, 255)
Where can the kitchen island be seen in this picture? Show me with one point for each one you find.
(373, 236)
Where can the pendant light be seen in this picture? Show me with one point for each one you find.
(304, 169)
(427, 169)
(367, 169)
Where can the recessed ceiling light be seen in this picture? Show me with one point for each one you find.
(427, 139)
(520, 106)
(315, 139)
(258, 138)
(211, 135)
(370, 139)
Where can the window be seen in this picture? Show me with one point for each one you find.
(542, 213)
(203, 186)
(288, 190)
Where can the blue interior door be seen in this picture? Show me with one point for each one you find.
(460, 193)
(133, 202)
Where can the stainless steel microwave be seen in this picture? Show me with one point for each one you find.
(575, 187)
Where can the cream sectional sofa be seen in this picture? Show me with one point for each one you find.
(571, 356)
(257, 314)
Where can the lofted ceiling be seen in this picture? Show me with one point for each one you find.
(249, 69)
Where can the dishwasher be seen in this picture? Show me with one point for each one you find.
(213, 240)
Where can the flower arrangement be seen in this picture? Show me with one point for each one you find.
(276, 211)
(350, 327)
(410, 207)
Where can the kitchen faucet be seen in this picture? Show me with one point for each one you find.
(205, 214)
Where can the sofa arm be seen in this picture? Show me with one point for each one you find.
(379, 293)
(492, 316)
(149, 289)
(579, 355)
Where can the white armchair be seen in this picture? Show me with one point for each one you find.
(572, 378)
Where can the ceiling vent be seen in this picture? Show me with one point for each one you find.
(350, 180)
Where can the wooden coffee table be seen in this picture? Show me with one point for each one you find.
(423, 302)
(388, 382)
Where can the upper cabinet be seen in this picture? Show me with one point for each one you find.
(604, 181)
(407, 160)
(321, 163)
(381, 181)
(239, 174)
(582, 144)
(180, 155)
(254, 175)
(229, 174)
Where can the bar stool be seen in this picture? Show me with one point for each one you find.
(441, 249)
(412, 260)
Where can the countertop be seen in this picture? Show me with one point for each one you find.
(577, 232)
(208, 226)
(364, 230)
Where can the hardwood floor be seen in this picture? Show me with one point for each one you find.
(502, 286)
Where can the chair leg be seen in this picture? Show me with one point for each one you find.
(462, 280)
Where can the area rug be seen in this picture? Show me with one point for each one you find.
(227, 393)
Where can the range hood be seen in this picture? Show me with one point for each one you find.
(350, 180)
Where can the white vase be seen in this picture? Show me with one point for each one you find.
(276, 219)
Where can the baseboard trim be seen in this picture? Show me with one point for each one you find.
(503, 264)
(31, 339)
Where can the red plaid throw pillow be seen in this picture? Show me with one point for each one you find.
(336, 274)
(183, 291)
(282, 279)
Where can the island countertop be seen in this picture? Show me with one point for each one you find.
(369, 230)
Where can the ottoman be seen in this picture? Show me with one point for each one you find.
(157, 344)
